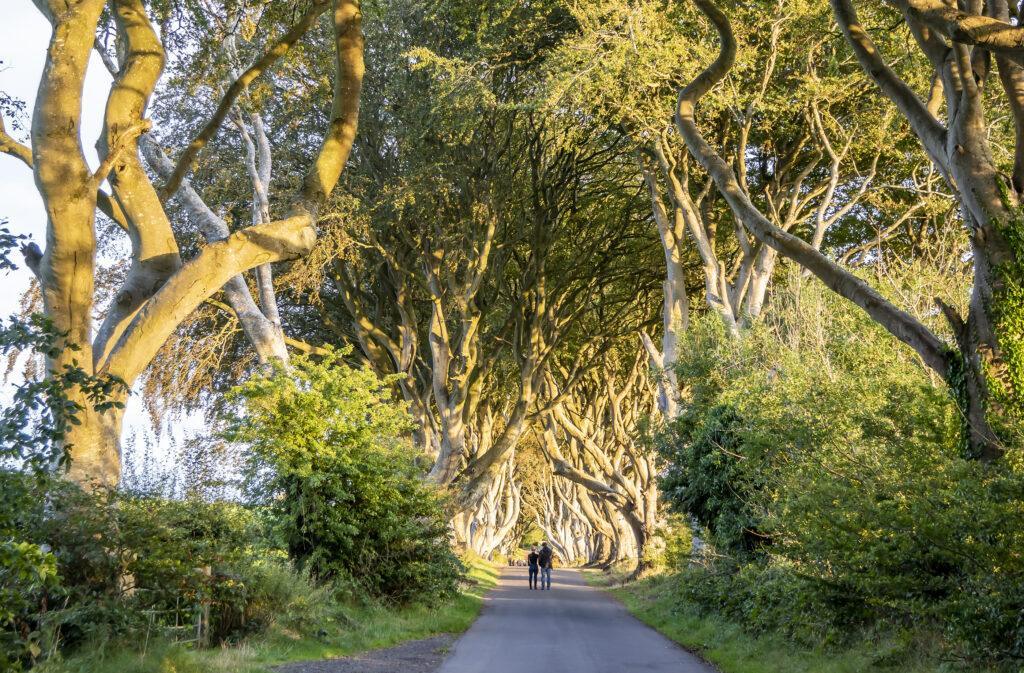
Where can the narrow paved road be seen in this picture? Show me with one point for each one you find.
(570, 629)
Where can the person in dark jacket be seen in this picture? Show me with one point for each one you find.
(545, 555)
(532, 560)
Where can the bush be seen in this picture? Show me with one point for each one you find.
(278, 594)
(133, 568)
(27, 573)
(132, 564)
(819, 433)
(705, 479)
(330, 456)
(678, 538)
(32, 431)
(769, 598)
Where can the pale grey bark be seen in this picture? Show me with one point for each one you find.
(899, 323)
(159, 292)
(266, 339)
(595, 444)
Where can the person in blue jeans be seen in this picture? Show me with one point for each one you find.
(532, 560)
(545, 555)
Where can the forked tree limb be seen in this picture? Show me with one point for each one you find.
(280, 240)
(154, 251)
(235, 89)
(899, 323)
(22, 152)
(993, 34)
(200, 278)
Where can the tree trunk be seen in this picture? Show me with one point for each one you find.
(602, 551)
(641, 534)
(95, 444)
(983, 371)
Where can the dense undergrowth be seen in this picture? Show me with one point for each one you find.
(664, 602)
(332, 543)
(311, 623)
(823, 468)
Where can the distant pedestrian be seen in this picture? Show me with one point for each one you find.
(545, 559)
(533, 560)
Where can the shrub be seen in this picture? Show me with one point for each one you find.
(133, 564)
(706, 478)
(133, 567)
(27, 574)
(279, 594)
(818, 432)
(33, 426)
(678, 537)
(330, 456)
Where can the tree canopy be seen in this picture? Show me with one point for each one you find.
(622, 272)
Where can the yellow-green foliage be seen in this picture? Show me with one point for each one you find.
(329, 457)
(825, 463)
(1006, 379)
(658, 602)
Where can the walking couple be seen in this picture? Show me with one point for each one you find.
(540, 565)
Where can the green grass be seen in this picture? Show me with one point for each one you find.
(348, 629)
(614, 576)
(656, 602)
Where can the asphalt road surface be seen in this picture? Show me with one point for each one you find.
(570, 629)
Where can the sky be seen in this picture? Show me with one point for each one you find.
(24, 35)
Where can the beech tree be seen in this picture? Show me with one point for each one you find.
(980, 365)
(805, 146)
(160, 289)
(593, 439)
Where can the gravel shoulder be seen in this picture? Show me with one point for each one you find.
(415, 656)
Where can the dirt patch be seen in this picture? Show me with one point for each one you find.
(415, 656)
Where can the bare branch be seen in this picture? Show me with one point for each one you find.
(308, 349)
(122, 142)
(9, 145)
(927, 128)
(348, 83)
(12, 147)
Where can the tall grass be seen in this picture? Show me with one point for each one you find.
(657, 602)
(311, 626)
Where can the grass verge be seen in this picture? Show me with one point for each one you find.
(346, 630)
(657, 602)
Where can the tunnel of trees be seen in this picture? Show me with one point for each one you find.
(625, 275)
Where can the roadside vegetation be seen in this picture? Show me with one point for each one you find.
(311, 625)
(841, 527)
(355, 557)
(662, 602)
